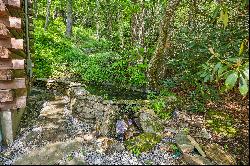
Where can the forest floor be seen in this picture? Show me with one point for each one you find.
(50, 135)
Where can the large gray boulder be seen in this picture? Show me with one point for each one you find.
(93, 109)
(150, 123)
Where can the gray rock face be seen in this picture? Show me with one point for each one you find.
(187, 144)
(196, 145)
(91, 108)
(150, 123)
(121, 126)
(183, 143)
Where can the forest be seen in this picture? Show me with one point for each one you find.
(177, 55)
(196, 50)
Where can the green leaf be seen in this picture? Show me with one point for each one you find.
(207, 78)
(223, 89)
(242, 47)
(225, 19)
(203, 74)
(243, 87)
(217, 67)
(221, 70)
(246, 73)
(215, 13)
(231, 80)
(221, 16)
(234, 60)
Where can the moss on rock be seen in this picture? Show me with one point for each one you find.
(143, 142)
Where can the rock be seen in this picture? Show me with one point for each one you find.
(105, 144)
(204, 134)
(121, 126)
(171, 130)
(196, 145)
(183, 142)
(49, 154)
(176, 113)
(115, 146)
(150, 123)
(88, 137)
(196, 160)
(137, 123)
(107, 123)
(218, 155)
(75, 161)
(143, 142)
(85, 106)
(75, 84)
(132, 131)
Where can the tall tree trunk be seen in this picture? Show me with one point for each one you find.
(47, 14)
(156, 69)
(120, 30)
(35, 8)
(137, 27)
(141, 25)
(97, 20)
(109, 19)
(69, 19)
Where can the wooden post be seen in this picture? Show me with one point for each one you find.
(6, 124)
(14, 58)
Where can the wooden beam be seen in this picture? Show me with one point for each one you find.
(9, 94)
(13, 84)
(3, 11)
(10, 33)
(4, 52)
(19, 102)
(11, 74)
(12, 64)
(13, 3)
(6, 75)
(6, 95)
(16, 12)
(4, 32)
(12, 22)
(12, 43)
(11, 53)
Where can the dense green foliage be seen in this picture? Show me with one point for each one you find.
(113, 41)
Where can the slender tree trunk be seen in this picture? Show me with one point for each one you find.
(97, 20)
(47, 14)
(69, 19)
(120, 30)
(141, 25)
(35, 8)
(134, 29)
(156, 68)
(138, 29)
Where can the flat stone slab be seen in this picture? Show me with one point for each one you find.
(184, 143)
(50, 154)
(196, 145)
(196, 160)
(218, 155)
